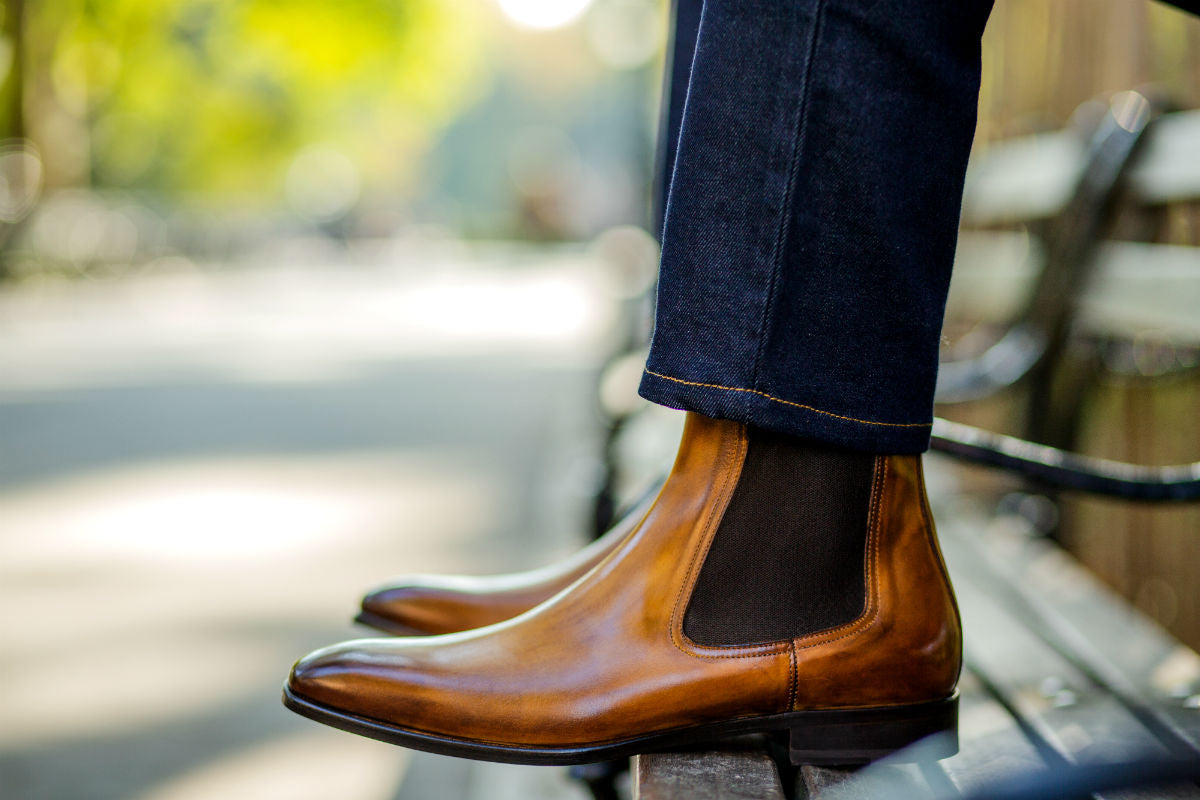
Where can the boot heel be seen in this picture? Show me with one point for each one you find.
(859, 736)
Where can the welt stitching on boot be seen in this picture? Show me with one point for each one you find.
(788, 558)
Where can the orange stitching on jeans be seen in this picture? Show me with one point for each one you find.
(790, 403)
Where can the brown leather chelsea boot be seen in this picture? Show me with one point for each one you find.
(424, 605)
(823, 611)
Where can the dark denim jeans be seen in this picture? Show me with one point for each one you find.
(812, 212)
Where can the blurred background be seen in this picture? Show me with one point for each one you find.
(295, 296)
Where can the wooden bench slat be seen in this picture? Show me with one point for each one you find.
(1136, 287)
(1032, 177)
(1079, 719)
(1168, 170)
(1134, 657)
(881, 781)
(991, 744)
(1026, 178)
(1078, 715)
(736, 773)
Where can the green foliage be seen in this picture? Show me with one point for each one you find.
(216, 98)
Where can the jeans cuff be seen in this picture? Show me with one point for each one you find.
(781, 415)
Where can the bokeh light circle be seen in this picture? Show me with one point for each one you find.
(543, 14)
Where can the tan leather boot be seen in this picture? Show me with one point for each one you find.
(423, 605)
(605, 669)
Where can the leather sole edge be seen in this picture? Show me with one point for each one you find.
(826, 736)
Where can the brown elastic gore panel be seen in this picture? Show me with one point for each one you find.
(788, 558)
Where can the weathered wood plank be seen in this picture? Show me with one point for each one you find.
(877, 782)
(991, 746)
(1079, 719)
(1071, 710)
(991, 743)
(737, 773)
(1118, 646)
(817, 781)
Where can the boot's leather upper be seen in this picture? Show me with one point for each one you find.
(607, 659)
(432, 604)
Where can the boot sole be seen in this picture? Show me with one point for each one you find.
(821, 737)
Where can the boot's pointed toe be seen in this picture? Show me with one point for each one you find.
(347, 680)
(332, 675)
(427, 605)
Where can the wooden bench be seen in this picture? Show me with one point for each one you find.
(1060, 671)
(1133, 287)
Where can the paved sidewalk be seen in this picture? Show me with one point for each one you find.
(200, 472)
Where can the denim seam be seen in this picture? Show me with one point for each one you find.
(775, 399)
(798, 129)
(687, 91)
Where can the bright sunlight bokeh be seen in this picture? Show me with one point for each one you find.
(544, 14)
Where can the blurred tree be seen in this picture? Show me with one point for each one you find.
(217, 98)
(11, 63)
